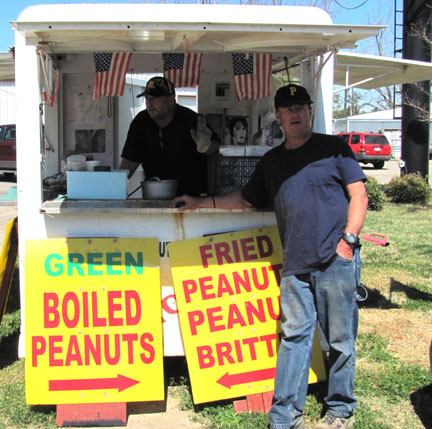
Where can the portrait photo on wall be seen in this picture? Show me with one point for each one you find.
(236, 131)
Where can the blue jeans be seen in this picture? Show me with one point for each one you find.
(329, 296)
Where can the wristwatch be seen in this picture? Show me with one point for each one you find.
(350, 238)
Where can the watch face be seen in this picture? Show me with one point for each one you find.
(350, 238)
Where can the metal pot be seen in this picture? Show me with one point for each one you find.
(157, 189)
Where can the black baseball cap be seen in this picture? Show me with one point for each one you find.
(291, 94)
(158, 86)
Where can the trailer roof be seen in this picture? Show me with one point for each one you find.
(298, 32)
(370, 71)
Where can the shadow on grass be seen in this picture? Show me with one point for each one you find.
(319, 392)
(409, 291)
(376, 299)
(9, 350)
(421, 401)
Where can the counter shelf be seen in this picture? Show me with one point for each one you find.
(55, 207)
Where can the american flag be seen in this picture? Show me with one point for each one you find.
(183, 70)
(252, 75)
(51, 82)
(111, 69)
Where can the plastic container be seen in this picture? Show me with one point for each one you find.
(92, 164)
(100, 185)
(76, 163)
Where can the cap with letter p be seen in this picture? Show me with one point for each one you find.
(291, 94)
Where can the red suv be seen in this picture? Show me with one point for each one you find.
(371, 148)
(7, 149)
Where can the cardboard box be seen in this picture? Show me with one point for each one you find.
(97, 185)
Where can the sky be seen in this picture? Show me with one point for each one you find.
(359, 12)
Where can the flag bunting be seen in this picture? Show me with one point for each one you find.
(111, 69)
(252, 74)
(183, 70)
(49, 86)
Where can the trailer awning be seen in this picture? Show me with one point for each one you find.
(7, 67)
(297, 32)
(369, 71)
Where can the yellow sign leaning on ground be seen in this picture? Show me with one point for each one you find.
(227, 297)
(93, 321)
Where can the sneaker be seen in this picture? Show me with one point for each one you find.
(333, 422)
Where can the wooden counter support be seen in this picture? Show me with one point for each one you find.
(109, 414)
(260, 402)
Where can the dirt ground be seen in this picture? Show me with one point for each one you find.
(409, 337)
(170, 418)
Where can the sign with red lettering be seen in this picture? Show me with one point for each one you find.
(93, 321)
(227, 297)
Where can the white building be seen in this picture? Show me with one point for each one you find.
(7, 88)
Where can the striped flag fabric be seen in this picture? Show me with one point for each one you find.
(183, 70)
(252, 74)
(111, 69)
(51, 81)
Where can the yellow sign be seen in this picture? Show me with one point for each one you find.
(93, 321)
(8, 256)
(227, 297)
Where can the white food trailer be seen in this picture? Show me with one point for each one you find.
(55, 108)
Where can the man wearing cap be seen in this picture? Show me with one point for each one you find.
(168, 140)
(317, 190)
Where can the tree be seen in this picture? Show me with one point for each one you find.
(348, 105)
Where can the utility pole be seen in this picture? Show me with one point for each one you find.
(416, 97)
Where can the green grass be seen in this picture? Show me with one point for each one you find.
(14, 413)
(392, 393)
(404, 267)
(393, 381)
(10, 324)
(373, 347)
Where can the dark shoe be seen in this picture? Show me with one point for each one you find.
(333, 422)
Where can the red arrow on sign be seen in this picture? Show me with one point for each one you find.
(120, 382)
(228, 380)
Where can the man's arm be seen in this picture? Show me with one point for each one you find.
(356, 215)
(232, 200)
(126, 164)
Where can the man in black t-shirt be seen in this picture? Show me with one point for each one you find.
(167, 139)
(317, 189)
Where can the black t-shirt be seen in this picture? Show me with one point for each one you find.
(168, 153)
(307, 186)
